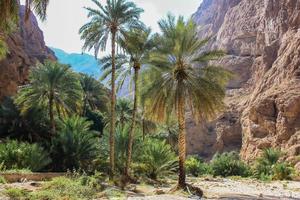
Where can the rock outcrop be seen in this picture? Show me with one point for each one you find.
(262, 38)
(26, 47)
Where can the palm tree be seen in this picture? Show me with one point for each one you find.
(94, 94)
(111, 20)
(52, 85)
(182, 79)
(137, 44)
(124, 111)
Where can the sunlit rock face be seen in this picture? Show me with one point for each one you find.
(26, 47)
(262, 38)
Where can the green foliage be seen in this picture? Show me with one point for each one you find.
(2, 180)
(75, 145)
(64, 188)
(229, 164)
(51, 81)
(16, 193)
(282, 171)
(95, 96)
(264, 164)
(175, 73)
(98, 120)
(196, 167)
(3, 49)
(31, 126)
(103, 22)
(21, 155)
(268, 166)
(157, 158)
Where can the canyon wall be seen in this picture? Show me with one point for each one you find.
(262, 39)
(26, 47)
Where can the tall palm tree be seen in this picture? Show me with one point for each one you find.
(111, 20)
(95, 96)
(52, 85)
(181, 79)
(137, 44)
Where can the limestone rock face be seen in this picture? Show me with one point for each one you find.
(26, 47)
(262, 38)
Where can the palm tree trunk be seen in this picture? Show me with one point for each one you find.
(51, 114)
(113, 105)
(181, 142)
(131, 133)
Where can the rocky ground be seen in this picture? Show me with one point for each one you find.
(214, 188)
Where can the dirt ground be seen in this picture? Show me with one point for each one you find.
(214, 188)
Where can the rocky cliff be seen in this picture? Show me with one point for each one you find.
(262, 38)
(26, 47)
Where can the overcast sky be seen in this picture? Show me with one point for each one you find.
(65, 17)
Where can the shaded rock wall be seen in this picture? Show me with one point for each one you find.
(26, 47)
(262, 38)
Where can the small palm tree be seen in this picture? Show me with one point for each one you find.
(95, 96)
(52, 85)
(111, 20)
(137, 45)
(124, 111)
(181, 79)
(75, 146)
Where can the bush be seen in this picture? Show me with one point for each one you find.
(157, 158)
(267, 165)
(22, 155)
(16, 193)
(64, 188)
(229, 164)
(2, 180)
(75, 145)
(196, 167)
(282, 171)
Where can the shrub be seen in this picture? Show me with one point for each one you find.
(264, 164)
(2, 180)
(229, 164)
(282, 171)
(16, 193)
(75, 145)
(158, 158)
(21, 155)
(196, 167)
(64, 188)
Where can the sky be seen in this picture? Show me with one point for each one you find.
(65, 17)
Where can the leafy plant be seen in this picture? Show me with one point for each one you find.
(158, 158)
(282, 171)
(21, 155)
(196, 167)
(53, 86)
(16, 193)
(229, 164)
(75, 146)
(265, 163)
(64, 188)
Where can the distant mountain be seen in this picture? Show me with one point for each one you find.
(79, 62)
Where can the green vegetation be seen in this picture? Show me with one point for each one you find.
(196, 167)
(75, 146)
(229, 164)
(158, 159)
(113, 19)
(87, 129)
(269, 166)
(22, 155)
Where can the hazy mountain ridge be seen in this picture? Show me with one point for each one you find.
(84, 63)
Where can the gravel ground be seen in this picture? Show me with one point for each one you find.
(214, 189)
